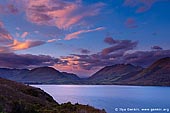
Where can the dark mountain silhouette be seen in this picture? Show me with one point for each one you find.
(126, 74)
(12, 74)
(19, 98)
(156, 74)
(116, 72)
(41, 75)
(70, 76)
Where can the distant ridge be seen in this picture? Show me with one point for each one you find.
(40, 75)
(115, 72)
(157, 74)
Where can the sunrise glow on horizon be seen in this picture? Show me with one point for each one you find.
(82, 36)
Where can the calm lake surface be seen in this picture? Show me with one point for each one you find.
(114, 99)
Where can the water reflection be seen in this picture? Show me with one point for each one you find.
(110, 97)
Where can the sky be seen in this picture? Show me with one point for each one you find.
(83, 36)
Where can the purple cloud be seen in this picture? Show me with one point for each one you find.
(156, 48)
(141, 5)
(145, 58)
(12, 9)
(8, 8)
(5, 36)
(110, 40)
(121, 51)
(119, 46)
(12, 60)
(84, 51)
(108, 56)
(131, 23)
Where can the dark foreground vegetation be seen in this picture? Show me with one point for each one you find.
(19, 98)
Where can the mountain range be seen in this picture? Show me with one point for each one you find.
(40, 75)
(157, 74)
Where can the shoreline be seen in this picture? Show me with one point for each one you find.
(104, 85)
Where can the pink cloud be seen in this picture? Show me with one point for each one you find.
(8, 43)
(5, 36)
(77, 33)
(17, 45)
(24, 34)
(73, 65)
(131, 23)
(62, 14)
(4, 49)
(52, 40)
(1, 24)
(142, 5)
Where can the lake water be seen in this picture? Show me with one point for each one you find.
(114, 99)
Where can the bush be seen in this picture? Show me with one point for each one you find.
(18, 107)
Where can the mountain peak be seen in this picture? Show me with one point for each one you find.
(45, 71)
(110, 72)
(45, 68)
(157, 73)
(161, 63)
(163, 60)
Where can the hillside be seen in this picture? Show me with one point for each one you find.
(157, 74)
(18, 98)
(111, 74)
(41, 75)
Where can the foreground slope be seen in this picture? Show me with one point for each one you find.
(18, 98)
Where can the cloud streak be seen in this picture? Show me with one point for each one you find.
(118, 46)
(5, 36)
(24, 34)
(17, 45)
(77, 33)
